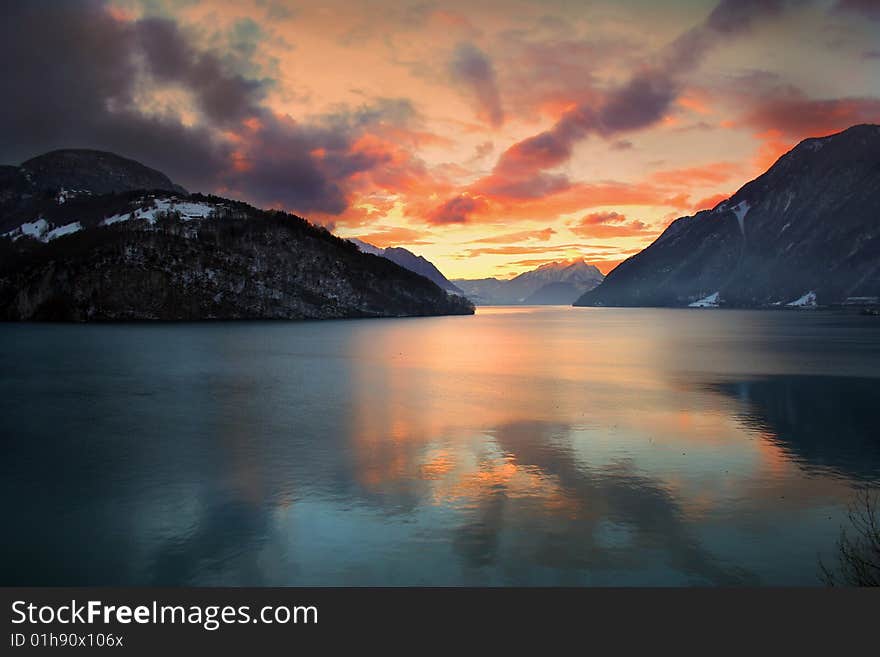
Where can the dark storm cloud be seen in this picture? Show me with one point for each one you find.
(639, 102)
(83, 78)
(471, 68)
(304, 167)
(73, 84)
(222, 96)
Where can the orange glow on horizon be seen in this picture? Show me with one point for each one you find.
(439, 127)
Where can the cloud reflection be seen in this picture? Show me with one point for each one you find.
(532, 446)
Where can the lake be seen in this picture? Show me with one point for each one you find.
(520, 446)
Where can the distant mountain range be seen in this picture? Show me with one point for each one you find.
(89, 236)
(807, 232)
(411, 261)
(554, 283)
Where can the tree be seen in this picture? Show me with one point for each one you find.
(858, 548)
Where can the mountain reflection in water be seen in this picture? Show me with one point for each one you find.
(520, 446)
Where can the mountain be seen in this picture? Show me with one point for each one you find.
(802, 411)
(54, 177)
(485, 291)
(551, 283)
(81, 253)
(806, 232)
(554, 294)
(411, 261)
(47, 181)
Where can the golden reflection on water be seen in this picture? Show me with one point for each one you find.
(517, 446)
(462, 410)
(596, 438)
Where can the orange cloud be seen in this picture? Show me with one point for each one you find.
(522, 236)
(773, 146)
(395, 236)
(707, 174)
(610, 224)
(416, 138)
(607, 266)
(710, 202)
(520, 250)
(603, 218)
(457, 210)
(696, 101)
(240, 161)
(498, 207)
(589, 195)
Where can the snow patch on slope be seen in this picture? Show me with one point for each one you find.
(806, 301)
(40, 230)
(152, 210)
(160, 206)
(710, 301)
(741, 210)
(35, 229)
(61, 231)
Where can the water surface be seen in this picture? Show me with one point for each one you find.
(520, 446)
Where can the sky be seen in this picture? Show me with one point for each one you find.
(490, 137)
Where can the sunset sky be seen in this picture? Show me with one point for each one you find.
(488, 136)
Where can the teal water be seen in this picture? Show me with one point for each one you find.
(520, 446)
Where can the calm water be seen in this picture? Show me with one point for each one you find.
(520, 446)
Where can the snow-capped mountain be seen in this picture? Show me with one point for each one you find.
(806, 232)
(409, 260)
(551, 283)
(76, 245)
